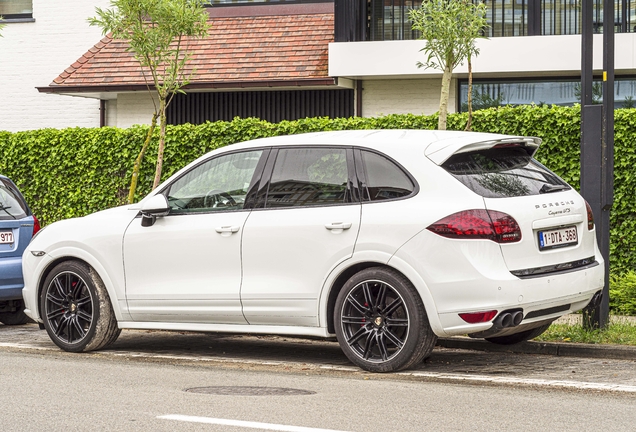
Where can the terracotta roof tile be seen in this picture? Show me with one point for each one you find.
(239, 49)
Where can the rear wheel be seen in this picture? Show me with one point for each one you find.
(381, 323)
(16, 317)
(519, 337)
(76, 308)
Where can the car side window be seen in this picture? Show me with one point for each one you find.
(309, 177)
(384, 179)
(220, 184)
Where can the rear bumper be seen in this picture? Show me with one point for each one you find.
(11, 281)
(540, 299)
(472, 276)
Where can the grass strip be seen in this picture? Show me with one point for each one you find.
(617, 332)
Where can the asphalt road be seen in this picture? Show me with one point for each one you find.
(62, 392)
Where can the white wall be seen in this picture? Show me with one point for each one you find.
(528, 56)
(33, 54)
(403, 96)
(133, 108)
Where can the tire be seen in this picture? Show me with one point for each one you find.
(17, 317)
(519, 337)
(76, 308)
(380, 321)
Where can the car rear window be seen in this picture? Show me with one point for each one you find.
(503, 171)
(11, 204)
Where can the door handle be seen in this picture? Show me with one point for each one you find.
(227, 231)
(338, 227)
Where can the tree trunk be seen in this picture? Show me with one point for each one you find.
(469, 122)
(140, 158)
(443, 100)
(162, 141)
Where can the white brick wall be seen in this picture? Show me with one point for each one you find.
(134, 108)
(33, 54)
(403, 96)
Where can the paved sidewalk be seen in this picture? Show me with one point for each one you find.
(454, 360)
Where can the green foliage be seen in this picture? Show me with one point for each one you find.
(483, 100)
(449, 29)
(1, 25)
(617, 332)
(73, 172)
(157, 33)
(623, 293)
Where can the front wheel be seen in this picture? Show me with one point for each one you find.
(76, 308)
(381, 323)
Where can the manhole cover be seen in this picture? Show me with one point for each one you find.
(249, 391)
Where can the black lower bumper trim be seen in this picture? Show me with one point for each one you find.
(556, 268)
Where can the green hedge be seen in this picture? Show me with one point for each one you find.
(73, 172)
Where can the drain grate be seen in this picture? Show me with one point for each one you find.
(249, 391)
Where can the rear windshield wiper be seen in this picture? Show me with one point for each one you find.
(547, 188)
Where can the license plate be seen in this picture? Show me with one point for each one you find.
(6, 237)
(557, 238)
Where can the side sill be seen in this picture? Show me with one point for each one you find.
(319, 332)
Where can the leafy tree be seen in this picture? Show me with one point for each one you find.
(157, 32)
(450, 28)
(1, 25)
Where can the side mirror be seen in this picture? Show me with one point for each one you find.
(152, 208)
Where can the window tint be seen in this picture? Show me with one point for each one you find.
(384, 179)
(11, 203)
(308, 177)
(502, 172)
(220, 184)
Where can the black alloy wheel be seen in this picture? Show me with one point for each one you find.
(375, 321)
(68, 307)
(381, 323)
(76, 309)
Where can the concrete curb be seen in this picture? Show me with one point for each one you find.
(616, 352)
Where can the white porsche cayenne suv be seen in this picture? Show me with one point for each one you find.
(386, 239)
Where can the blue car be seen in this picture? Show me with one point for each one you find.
(17, 226)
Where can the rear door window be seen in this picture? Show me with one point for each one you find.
(506, 171)
(309, 177)
(11, 204)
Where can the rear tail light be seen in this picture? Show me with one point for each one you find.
(590, 217)
(479, 224)
(36, 226)
(478, 317)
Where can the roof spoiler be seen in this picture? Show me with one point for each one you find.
(440, 151)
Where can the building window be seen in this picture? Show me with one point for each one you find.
(16, 9)
(567, 92)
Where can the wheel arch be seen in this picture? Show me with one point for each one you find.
(395, 264)
(344, 276)
(101, 272)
